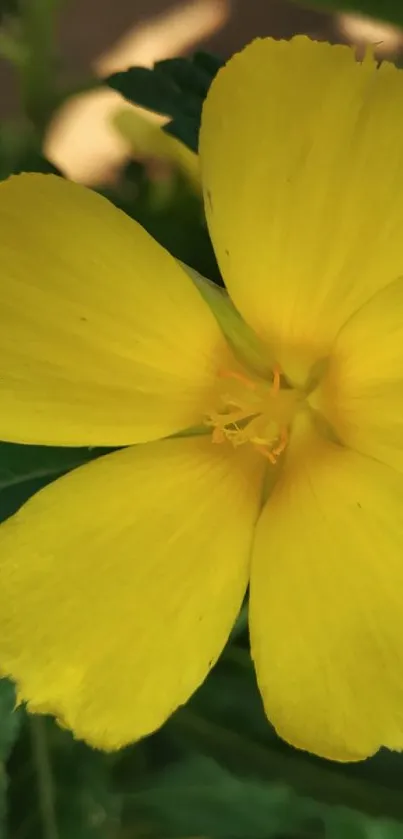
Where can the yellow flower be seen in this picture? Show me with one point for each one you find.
(120, 582)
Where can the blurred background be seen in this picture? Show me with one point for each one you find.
(103, 36)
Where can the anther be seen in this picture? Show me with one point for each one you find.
(266, 453)
(282, 443)
(218, 435)
(276, 379)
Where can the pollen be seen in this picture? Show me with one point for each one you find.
(255, 411)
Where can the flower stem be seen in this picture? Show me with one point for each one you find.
(37, 74)
(44, 775)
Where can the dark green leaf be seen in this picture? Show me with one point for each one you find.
(10, 721)
(187, 75)
(22, 463)
(175, 87)
(59, 787)
(20, 151)
(152, 89)
(225, 721)
(26, 469)
(35, 161)
(198, 797)
(209, 62)
(186, 130)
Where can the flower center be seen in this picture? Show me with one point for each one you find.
(252, 410)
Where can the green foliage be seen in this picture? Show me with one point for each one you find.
(21, 151)
(26, 469)
(225, 721)
(198, 797)
(172, 787)
(175, 88)
(58, 788)
(10, 721)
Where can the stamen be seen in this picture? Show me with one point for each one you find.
(276, 379)
(282, 443)
(218, 435)
(254, 411)
(267, 454)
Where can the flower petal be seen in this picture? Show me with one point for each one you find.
(119, 584)
(306, 214)
(103, 338)
(362, 391)
(327, 600)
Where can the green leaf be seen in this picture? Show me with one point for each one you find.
(10, 721)
(34, 161)
(186, 129)
(59, 788)
(198, 797)
(22, 463)
(38, 74)
(389, 10)
(20, 151)
(225, 721)
(192, 76)
(152, 89)
(26, 469)
(175, 87)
